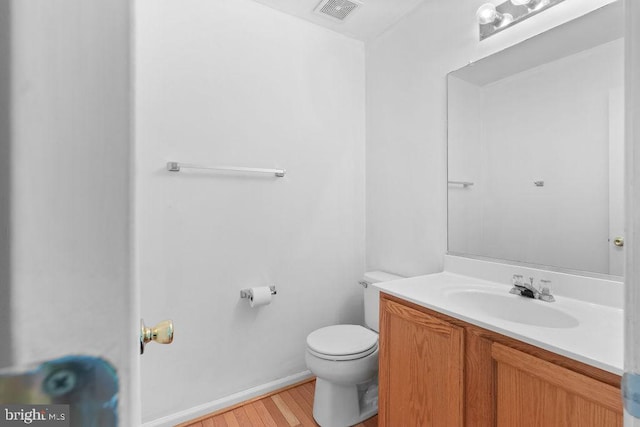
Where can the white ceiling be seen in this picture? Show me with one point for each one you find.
(365, 23)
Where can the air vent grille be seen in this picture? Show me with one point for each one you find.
(337, 9)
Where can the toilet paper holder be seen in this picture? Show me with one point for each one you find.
(246, 293)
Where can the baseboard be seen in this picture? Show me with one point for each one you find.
(227, 401)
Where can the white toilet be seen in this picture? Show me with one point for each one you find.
(344, 358)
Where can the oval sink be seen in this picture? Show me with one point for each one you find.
(513, 308)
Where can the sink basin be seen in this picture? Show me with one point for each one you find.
(513, 308)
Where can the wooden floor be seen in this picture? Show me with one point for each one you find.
(289, 407)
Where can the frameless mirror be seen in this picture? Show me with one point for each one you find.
(535, 136)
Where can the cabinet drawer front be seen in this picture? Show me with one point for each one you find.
(421, 369)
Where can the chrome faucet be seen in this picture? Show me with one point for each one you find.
(529, 290)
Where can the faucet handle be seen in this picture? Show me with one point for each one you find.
(545, 287)
(545, 291)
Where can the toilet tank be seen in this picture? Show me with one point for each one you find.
(372, 297)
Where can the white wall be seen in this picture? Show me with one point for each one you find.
(548, 123)
(234, 82)
(406, 124)
(69, 188)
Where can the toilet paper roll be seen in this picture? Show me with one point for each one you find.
(260, 296)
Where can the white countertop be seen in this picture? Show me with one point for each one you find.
(595, 339)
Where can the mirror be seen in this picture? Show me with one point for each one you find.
(536, 150)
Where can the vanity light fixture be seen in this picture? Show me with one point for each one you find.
(495, 18)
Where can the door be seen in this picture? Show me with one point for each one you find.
(67, 288)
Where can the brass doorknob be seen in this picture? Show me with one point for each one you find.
(162, 333)
(619, 241)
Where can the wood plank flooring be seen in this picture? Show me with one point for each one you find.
(287, 408)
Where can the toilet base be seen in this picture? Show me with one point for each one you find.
(344, 405)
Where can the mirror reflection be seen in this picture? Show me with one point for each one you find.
(536, 153)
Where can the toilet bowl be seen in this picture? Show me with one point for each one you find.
(344, 359)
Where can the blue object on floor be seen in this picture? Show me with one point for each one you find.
(631, 393)
(88, 385)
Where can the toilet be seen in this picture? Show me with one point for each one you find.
(344, 359)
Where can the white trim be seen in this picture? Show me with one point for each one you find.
(227, 401)
(632, 197)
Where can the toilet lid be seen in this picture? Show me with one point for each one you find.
(342, 340)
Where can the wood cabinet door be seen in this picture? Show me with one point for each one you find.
(421, 369)
(532, 392)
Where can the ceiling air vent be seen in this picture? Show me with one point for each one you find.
(337, 9)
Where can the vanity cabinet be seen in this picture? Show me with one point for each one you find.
(436, 370)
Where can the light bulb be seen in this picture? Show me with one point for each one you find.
(540, 4)
(531, 4)
(487, 14)
(507, 19)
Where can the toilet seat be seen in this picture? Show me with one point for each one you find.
(342, 342)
